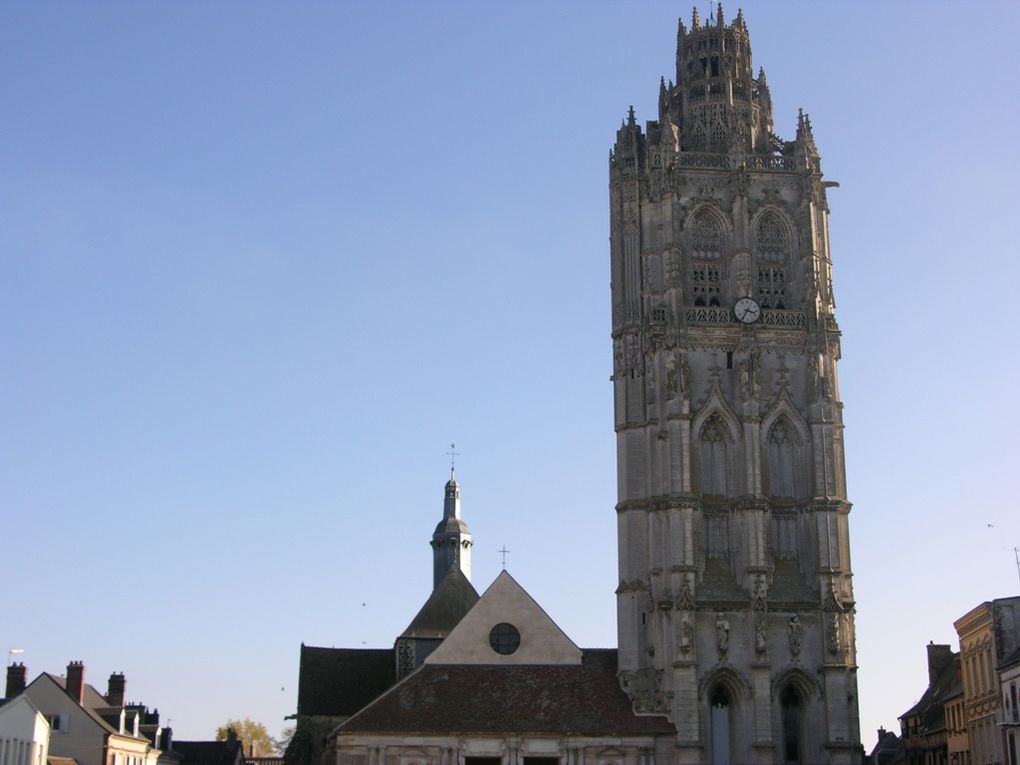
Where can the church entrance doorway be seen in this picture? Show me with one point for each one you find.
(720, 722)
(790, 704)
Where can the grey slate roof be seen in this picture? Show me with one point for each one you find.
(208, 752)
(930, 707)
(444, 609)
(337, 682)
(564, 700)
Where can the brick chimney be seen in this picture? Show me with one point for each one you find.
(75, 685)
(16, 676)
(939, 656)
(115, 689)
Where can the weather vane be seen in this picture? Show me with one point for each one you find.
(453, 456)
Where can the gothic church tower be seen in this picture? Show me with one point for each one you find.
(735, 603)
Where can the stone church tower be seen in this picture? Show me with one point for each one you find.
(735, 603)
(451, 541)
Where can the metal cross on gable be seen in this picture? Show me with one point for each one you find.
(503, 551)
(453, 454)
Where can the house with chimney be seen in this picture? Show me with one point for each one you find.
(86, 726)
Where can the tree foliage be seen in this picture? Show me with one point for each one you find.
(250, 732)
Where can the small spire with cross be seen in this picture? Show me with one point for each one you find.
(453, 455)
(503, 551)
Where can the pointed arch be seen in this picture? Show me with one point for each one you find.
(774, 240)
(796, 677)
(706, 220)
(714, 444)
(725, 694)
(717, 437)
(783, 407)
(785, 437)
(730, 679)
(716, 403)
(792, 692)
(706, 232)
(773, 235)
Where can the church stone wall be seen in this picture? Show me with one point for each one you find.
(735, 578)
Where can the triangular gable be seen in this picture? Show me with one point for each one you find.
(48, 693)
(18, 712)
(506, 602)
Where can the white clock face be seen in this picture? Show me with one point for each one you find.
(747, 310)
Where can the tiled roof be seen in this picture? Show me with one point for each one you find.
(340, 681)
(580, 699)
(930, 706)
(445, 607)
(207, 752)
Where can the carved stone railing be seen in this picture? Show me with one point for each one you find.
(704, 159)
(787, 319)
(771, 162)
(708, 315)
(769, 318)
(714, 161)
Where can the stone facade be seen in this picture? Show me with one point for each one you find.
(988, 634)
(735, 602)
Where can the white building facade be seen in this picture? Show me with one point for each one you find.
(24, 733)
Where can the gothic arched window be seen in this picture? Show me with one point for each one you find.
(772, 246)
(790, 703)
(772, 238)
(712, 456)
(720, 724)
(705, 237)
(782, 450)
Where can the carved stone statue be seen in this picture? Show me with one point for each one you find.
(760, 634)
(722, 632)
(795, 633)
(742, 269)
(834, 640)
(745, 381)
(686, 632)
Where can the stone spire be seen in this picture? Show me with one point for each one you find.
(451, 542)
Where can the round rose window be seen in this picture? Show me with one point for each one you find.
(504, 638)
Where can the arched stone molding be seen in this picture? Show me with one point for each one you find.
(716, 403)
(792, 234)
(730, 679)
(709, 208)
(807, 686)
(784, 407)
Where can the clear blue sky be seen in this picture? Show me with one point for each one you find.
(263, 261)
